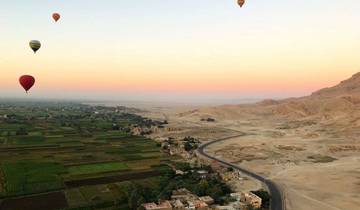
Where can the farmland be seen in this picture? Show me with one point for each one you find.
(96, 168)
(26, 177)
(72, 156)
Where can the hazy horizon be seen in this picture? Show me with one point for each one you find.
(137, 101)
(204, 51)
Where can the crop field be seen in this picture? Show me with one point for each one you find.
(96, 168)
(74, 153)
(27, 140)
(25, 177)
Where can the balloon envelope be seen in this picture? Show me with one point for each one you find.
(56, 16)
(27, 81)
(241, 2)
(35, 45)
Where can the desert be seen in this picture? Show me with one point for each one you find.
(309, 146)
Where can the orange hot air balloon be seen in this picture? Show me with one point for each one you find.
(241, 3)
(27, 81)
(56, 16)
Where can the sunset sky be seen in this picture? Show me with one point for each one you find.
(178, 50)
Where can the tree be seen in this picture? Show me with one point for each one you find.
(167, 191)
(135, 199)
(216, 193)
(202, 188)
(188, 146)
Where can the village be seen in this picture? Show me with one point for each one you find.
(184, 199)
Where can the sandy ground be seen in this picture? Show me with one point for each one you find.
(310, 181)
(317, 169)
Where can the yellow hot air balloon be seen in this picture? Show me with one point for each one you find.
(35, 45)
(241, 3)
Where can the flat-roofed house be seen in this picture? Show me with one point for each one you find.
(252, 199)
(165, 205)
(177, 205)
(200, 205)
(207, 199)
(224, 208)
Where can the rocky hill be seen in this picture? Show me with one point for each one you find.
(335, 103)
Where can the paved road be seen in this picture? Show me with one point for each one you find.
(277, 200)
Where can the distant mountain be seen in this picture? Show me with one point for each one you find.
(340, 101)
(347, 87)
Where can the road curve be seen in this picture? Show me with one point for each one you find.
(277, 200)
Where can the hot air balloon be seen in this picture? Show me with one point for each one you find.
(56, 16)
(241, 2)
(27, 81)
(35, 45)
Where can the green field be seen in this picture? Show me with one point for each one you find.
(24, 177)
(46, 146)
(96, 168)
(27, 140)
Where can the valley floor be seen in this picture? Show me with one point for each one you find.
(317, 169)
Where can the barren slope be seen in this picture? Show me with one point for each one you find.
(310, 145)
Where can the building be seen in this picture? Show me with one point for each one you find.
(179, 172)
(136, 130)
(165, 205)
(224, 208)
(203, 173)
(190, 205)
(183, 195)
(177, 205)
(182, 199)
(149, 206)
(239, 205)
(228, 176)
(236, 196)
(207, 199)
(252, 199)
(200, 205)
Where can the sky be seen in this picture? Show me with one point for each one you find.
(183, 51)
